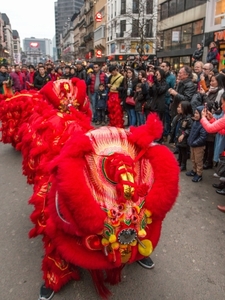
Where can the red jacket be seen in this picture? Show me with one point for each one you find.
(91, 81)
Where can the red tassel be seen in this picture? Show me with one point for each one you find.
(98, 280)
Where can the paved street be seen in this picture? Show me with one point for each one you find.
(189, 260)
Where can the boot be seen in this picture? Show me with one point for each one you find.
(183, 168)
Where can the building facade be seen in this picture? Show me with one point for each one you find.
(16, 47)
(36, 50)
(64, 10)
(215, 28)
(180, 27)
(131, 28)
(8, 39)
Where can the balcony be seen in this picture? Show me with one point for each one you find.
(119, 35)
(88, 37)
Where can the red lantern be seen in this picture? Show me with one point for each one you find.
(98, 17)
(98, 53)
(120, 57)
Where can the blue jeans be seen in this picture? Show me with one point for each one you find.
(93, 106)
(141, 118)
(132, 118)
(167, 121)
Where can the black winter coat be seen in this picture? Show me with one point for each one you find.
(40, 81)
(3, 77)
(198, 135)
(181, 125)
(159, 92)
(186, 89)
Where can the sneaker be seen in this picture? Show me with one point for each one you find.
(190, 173)
(97, 123)
(222, 179)
(216, 175)
(45, 293)
(146, 263)
(197, 178)
(103, 123)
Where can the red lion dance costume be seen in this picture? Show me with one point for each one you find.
(100, 195)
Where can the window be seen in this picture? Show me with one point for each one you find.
(122, 26)
(186, 35)
(135, 28)
(123, 7)
(180, 6)
(198, 27)
(219, 11)
(135, 6)
(167, 38)
(164, 11)
(193, 3)
(149, 32)
(176, 37)
(172, 8)
(149, 6)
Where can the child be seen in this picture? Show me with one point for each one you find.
(101, 103)
(180, 131)
(139, 104)
(197, 142)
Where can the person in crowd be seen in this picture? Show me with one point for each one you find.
(197, 141)
(101, 104)
(93, 81)
(198, 53)
(59, 73)
(139, 104)
(206, 76)
(53, 75)
(72, 71)
(115, 85)
(196, 99)
(198, 68)
(212, 100)
(171, 81)
(25, 71)
(40, 64)
(49, 67)
(159, 90)
(81, 72)
(130, 83)
(42, 78)
(180, 130)
(4, 78)
(212, 125)
(19, 80)
(222, 71)
(66, 74)
(30, 80)
(213, 55)
(185, 89)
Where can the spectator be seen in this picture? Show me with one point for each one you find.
(19, 81)
(197, 55)
(66, 74)
(4, 78)
(198, 68)
(59, 73)
(139, 104)
(81, 72)
(171, 80)
(93, 80)
(185, 89)
(180, 130)
(213, 55)
(42, 78)
(206, 76)
(30, 81)
(197, 141)
(101, 104)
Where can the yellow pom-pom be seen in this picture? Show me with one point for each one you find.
(134, 243)
(145, 248)
(149, 221)
(148, 213)
(105, 242)
(112, 238)
(115, 246)
(142, 233)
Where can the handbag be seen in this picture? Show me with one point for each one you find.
(130, 100)
(221, 167)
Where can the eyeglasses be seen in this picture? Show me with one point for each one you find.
(205, 69)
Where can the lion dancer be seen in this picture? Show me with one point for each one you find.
(115, 109)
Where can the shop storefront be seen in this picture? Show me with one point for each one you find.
(179, 43)
(219, 38)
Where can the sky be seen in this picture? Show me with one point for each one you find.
(31, 18)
